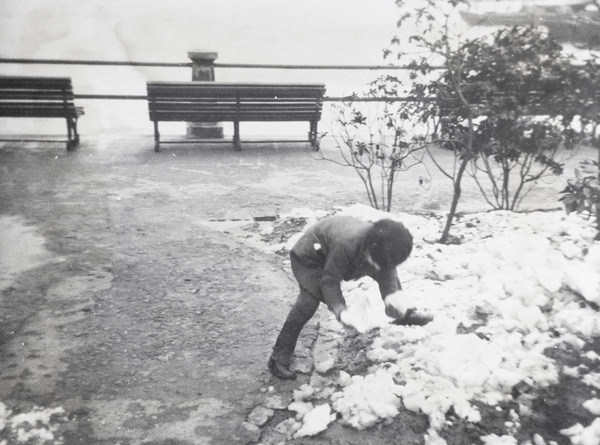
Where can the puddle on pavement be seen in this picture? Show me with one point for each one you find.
(21, 249)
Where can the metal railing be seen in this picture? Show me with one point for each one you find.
(215, 65)
(94, 62)
(190, 64)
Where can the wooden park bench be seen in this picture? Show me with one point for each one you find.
(40, 97)
(235, 102)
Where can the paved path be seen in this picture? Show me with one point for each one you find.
(139, 317)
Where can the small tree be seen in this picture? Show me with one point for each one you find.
(478, 96)
(582, 193)
(375, 144)
(512, 79)
(436, 79)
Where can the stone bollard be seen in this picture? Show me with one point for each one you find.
(203, 69)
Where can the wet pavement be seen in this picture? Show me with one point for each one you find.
(129, 311)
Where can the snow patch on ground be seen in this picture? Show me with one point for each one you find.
(36, 426)
(21, 249)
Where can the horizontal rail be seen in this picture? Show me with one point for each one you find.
(94, 62)
(368, 99)
(216, 65)
(111, 96)
(314, 67)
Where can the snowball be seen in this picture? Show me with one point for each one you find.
(590, 355)
(493, 439)
(344, 379)
(365, 307)
(355, 318)
(368, 400)
(575, 430)
(304, 392)
(399, 301)
(301, 408)
(315, 421)
(593, 406)
(584, 278)
(571, 371)
(402, 301)
(592, 379)
(578, 320)
(580, 435)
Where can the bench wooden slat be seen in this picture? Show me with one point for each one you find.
(210, 99)
(31, 82)
(223, 90)
(32, 95)
(200, 95)
(283, 106)
(37, 111)
(234, 85)
(233, 107)
(225, 117)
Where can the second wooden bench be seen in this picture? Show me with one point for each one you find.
(235, 102)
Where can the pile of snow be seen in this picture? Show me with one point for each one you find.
(315, 421)
(516, 285)
(367, 400)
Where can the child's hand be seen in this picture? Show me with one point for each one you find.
(403, 309)
(394, 312)
(414, 317)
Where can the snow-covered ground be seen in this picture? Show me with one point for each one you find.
(516, 285)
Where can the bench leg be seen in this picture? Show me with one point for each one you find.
(237, 143)
(75, 132)
(156, 137)
(73, 137)
(312, 136)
